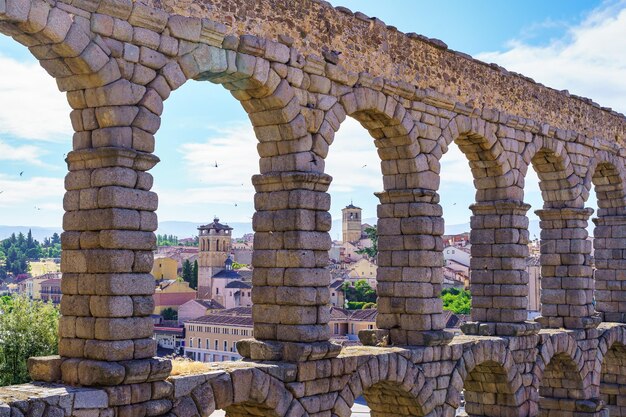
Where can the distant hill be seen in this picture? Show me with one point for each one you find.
(188, 229)
(39, 233)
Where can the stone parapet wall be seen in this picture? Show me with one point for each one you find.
(556, 372)
(367, 44)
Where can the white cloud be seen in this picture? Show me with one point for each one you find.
(37, 192)
(26, 153)
(32, 106)
(352, 160)
(588, 61)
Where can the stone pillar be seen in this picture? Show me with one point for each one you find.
(410, 275)
(610, 261)
(567, 281)
(105, 333)
(290, 281)
(498, 275)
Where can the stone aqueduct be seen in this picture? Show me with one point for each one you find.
(299, 69)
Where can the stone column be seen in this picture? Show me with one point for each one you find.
(610, 261)
(105, 333)
(410, 276)
(290, 280)
(498, 275)
(567, 276)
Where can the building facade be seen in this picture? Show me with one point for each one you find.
(51, 291)
(214, 337)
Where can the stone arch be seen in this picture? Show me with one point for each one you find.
(559, 184)
(495, 176)
(560, 374)
(391, 384)
(490, 380)
(240, 392)
(63, 44)
(610, 368)
(395, 134)
(271, 102)
(607, 175)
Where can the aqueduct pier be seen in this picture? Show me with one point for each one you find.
(299, 70)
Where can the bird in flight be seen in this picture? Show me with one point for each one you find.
(21, 173)
(216, 164)
(37, 208)
(364, 166)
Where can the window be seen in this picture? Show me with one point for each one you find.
(208, 345)
(336, 328)
(225, 346)
(216, 344)
(230, 293)
(333, 294)
(191, 342)
(370, 327)
(217, 291)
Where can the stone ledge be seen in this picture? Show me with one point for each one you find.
(270, 350)
(80, 371)
(382, 338)
(584, 323)
(475, 328)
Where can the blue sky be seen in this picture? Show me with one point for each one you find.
(567, 44)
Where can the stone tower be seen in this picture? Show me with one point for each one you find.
(214, 241)
(351, 223)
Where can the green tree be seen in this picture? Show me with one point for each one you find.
(237, 265)
(456, 300)
(372, 251)
(194, 276)
(27, 328)
(359, 294)
(169, 314)
(187, 272)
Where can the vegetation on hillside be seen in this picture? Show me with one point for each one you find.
(17, 250)
(27, 328)
(456, 300)
(171, 240)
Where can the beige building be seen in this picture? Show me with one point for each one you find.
(164, 268)
(214, 241)
(172, 294)
(197, 308)
(351, 223)
(363, 269)
(346, 324)
(31, 287)
(213, 338)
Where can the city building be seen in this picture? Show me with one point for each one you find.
(51, 290)
(172, 294)
(170, 340)
(31, 287)
(351, 223)
(213, 337)
(164, 268)
(457, 254)
(337, 295)
(197, 308)
(214, 240)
